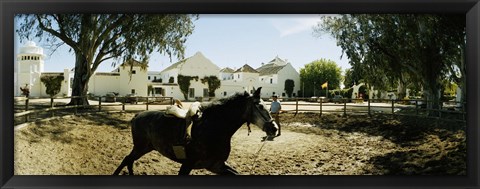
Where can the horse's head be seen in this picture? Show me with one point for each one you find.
(258, 114)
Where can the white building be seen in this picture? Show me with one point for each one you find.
(271, 77)
(133, 77)
(197, 65)
(129, 78)
(30, 68)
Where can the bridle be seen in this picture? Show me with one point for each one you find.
(250, 113)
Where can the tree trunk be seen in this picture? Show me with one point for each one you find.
(432, 94)
(401, 90)
(80, 80)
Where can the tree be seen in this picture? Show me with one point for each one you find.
(53, 84)
(402, 48)
(25, 90)
(314, 74)
(95, 38)
(289, 85)
(213, 84)
(352, 77)
(184, 84)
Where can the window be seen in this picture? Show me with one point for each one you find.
(191, 93)
(154, 77)
(238, 76)
(133, 91)
(148, 77)
(224, 93)
(134, 71)
(271, 80)
(205, 92)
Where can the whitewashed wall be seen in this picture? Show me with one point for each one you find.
(100, 85)
(138, 81)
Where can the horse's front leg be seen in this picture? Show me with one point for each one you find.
(185, 169)
(223, 169)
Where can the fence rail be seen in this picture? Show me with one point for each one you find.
(58, 105)
(409, 107)
(414, 107)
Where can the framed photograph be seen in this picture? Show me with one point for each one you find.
(295, 94)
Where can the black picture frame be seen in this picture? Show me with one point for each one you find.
(8, 8)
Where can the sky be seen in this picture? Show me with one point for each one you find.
(232, 41)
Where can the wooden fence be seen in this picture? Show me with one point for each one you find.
(413, 107)
(54, 107)
(344, 106)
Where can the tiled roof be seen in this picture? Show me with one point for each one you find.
(227, 70)
(246, 68)
(108, 73)
(269, 69)
(278, 61)
(52, 74)
(175, 65)
(133, 63)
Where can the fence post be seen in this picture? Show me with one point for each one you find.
(416, 107)
(344, 108)
(51, 106)
(76, 105)
(369, 114)
(393, 106)
(100, 103)
(147, 102)
(296, 106)
(123, 104)
(321, 102)
(85, 98)
(26, 109)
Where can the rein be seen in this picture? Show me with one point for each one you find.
(256, 155)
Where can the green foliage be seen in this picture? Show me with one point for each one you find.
(409, 48)
(184, 84)
(213, 84)
(53, 84)
(149, 89)
(352, 77)
(289, 85)
(314, 74)
(25, 90)
(95, 38)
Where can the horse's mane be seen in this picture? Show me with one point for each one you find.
(218, 108)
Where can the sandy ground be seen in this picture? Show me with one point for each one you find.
(95, 144)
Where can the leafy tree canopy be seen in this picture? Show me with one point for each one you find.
(408, 48)
(289, 85)
(184, 83)
(53, 84)
(316, 73)
(213, 84)
(95, 38)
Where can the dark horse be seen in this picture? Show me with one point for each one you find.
(209, 146)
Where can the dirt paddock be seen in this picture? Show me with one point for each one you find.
(95, 144)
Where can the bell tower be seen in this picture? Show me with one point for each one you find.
(30, 62)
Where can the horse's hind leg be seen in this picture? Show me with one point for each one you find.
(223, 169)
(135, 154)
